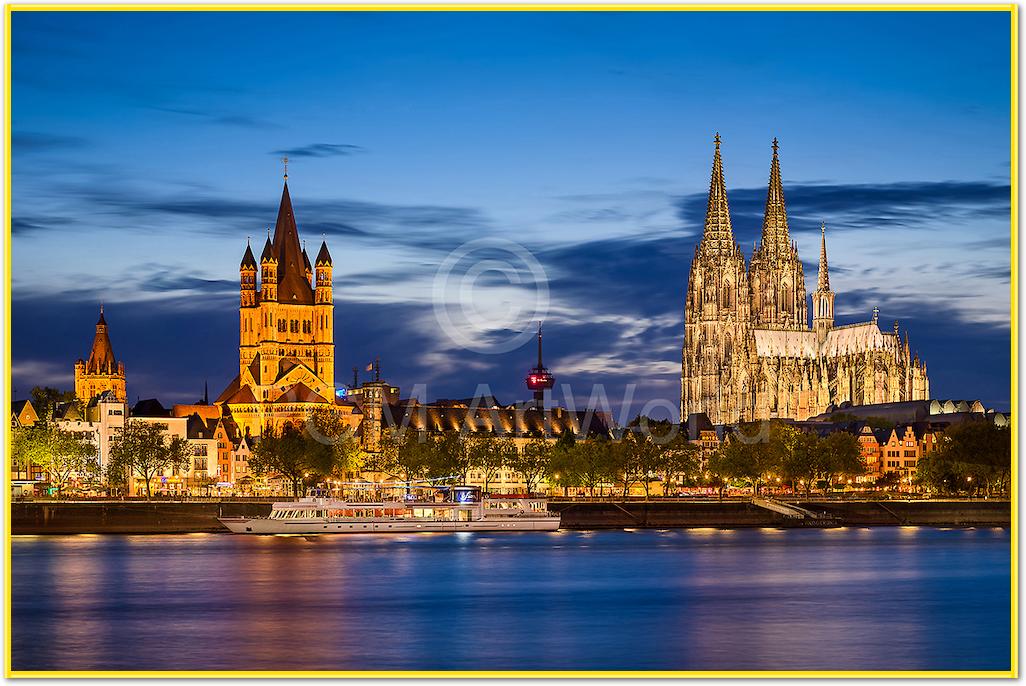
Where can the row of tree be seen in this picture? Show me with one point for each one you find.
(972, 457)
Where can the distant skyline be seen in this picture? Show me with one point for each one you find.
(146, 149)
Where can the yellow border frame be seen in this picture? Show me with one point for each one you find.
(1013, 11)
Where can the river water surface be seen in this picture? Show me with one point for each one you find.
(851, 598)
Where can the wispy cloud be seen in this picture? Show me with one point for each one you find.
(320, 150)
(23, 142)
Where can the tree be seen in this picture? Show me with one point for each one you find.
(740, 457)
(969, 456)
(642, 460)
(801, 456)
(450, 457)
(142, 448)
(842, 455)
(293, 454)
(56, 451)
(490, 454)
(45, 400)
(406, 454)
(531, 463)
(327, 427)
(678, 461)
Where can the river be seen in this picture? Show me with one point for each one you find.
(709, 599)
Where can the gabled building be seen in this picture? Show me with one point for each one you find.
(23, 414)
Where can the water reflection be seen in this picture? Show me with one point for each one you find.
(888, 598)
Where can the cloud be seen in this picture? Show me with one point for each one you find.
(860, 206)
(320, 150)
(23, 142)
(218, 118)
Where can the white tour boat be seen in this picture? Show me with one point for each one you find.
(463, 509)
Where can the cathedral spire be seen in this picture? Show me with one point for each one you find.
(775, 234)
(824, 272)
(293, 285)
(719, 235)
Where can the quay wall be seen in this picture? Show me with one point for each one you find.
(44, 517)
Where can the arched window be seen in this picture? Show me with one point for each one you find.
(727, 299)
(785, 298)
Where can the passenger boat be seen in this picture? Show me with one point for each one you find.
(461, 508)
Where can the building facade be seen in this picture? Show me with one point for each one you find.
(286, 334)
(749, 350)
(101, 372)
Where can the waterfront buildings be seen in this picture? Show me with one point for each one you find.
(749, 351)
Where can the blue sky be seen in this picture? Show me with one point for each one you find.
(146, 148)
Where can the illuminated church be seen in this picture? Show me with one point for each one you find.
(749, 351)
(102, 371)
(286, 334)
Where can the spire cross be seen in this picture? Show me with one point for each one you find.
(285, 161)
(775, 145)
(716, 139)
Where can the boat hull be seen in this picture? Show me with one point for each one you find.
(243, 525)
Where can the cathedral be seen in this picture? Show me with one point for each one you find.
(286, 334)
(749, 351)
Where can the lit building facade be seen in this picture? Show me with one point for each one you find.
(749, 352)
(286, 334)
(101, 372)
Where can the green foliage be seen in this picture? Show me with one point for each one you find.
(678, 461)
(490, 454)
(531, 463)
(348, 456)
(142, 448)
(296, 455)
(45, 399)
(405, 455)
(450, 456)
(57, 452)
(969, 457)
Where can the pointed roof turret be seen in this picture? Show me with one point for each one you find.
(247, 258)
(719, 234)
(101, 357)
(323, 256)
(268, 254)
(775, 233)
(824, 272)
(293, 286)
(306, 260)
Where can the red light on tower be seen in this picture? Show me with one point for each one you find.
(539, 379)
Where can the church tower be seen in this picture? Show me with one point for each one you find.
(101, 372)
(823, 297)
(286, 334)
(776, 275)
(718, 343)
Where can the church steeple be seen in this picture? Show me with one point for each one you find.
(719, 234)
(293, 285)
(101, 371)
(777, 277)
(823, 284)
(823, 298)
(775, 234)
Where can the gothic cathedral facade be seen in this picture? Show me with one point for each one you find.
(749, 352)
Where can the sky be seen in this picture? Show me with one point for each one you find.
(474, 172)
